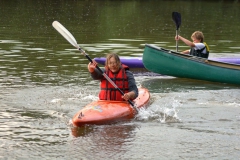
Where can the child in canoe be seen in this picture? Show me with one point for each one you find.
(198, 47)
(119, 74)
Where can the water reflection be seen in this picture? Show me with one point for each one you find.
(82, 131)
(166, 84)
(112, 140)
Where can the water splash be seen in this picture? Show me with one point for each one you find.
(165, 114)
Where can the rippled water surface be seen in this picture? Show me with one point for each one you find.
(44, 81)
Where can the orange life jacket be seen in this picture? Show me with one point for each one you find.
(108, 91)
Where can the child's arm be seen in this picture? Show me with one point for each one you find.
(187, 42)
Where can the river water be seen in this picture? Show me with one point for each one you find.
(44, 81)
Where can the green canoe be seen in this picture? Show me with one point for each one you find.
(167, 62)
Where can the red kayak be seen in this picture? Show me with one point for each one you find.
(105, 112)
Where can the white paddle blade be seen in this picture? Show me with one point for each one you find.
(65, 33)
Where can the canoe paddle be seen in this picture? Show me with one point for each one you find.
(177, 19)
(69, 37)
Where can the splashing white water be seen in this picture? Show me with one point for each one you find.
(165, 114)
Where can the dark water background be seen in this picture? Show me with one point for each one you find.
(44, 80)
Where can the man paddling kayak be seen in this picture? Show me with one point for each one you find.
(119, 74)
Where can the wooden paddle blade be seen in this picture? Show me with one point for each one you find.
(177, 19)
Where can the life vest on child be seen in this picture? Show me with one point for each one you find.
(108, 91)
(199, 52)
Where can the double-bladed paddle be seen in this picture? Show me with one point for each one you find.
(177, 19)
(69, 37)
